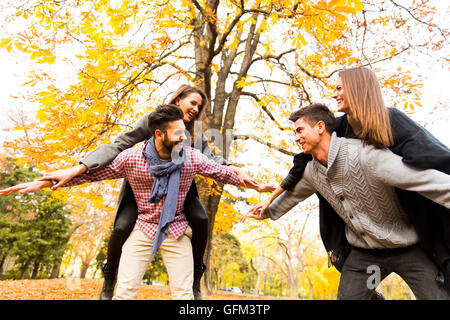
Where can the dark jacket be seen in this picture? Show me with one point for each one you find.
(418, 148)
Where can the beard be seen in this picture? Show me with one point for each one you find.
(171, 146)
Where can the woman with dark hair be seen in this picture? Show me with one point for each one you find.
(359, 96)
(191, 100)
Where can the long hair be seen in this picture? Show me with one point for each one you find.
(366, 105)
(181, 93)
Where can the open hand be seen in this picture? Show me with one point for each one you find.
(268, 187)
(63, 176)
(256, 211)
(26, 187)
(245, 180)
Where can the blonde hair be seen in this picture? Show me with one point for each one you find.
(366, 105)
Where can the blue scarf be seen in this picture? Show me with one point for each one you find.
(166, 183)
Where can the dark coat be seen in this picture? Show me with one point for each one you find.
(418, 148)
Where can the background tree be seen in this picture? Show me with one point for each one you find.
(228, 264)
(34, 228)
(256, 60)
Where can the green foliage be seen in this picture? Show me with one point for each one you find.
(157, 270)
(227, 262)
(34, 228)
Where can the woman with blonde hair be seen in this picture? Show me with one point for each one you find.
(191, 100)
(358, 95)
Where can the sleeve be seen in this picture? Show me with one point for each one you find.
(106, 153)
(392, 171)
(208, 168)
(294, 175)
(115, 170)
(289, 199)
(342, 128)
(417, 146)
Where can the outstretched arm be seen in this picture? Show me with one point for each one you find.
(227, 174)
(390, 168)
(27, 187)
(281, 201)
(113, 171)
(417, 146)
(257, 211)
(103, 155)
(63, 176)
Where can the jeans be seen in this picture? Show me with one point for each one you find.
(364, 266)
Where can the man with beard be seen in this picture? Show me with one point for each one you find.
(160, 174)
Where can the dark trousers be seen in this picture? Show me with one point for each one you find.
(363, 268)
(126, 218)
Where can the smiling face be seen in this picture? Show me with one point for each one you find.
(173, 136)
(190, 105)
(306, 135)
(339, 96)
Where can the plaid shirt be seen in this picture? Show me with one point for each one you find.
(132, 165)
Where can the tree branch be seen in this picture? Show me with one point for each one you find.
(420, 21)
(264, 108)
(270, 145)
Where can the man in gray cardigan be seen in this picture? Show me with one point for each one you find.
(358, 180)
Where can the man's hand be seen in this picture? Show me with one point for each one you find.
(26, 187)
(268, 187)
(248, 182)
(256, 211)
(245, 180)
(63, 176)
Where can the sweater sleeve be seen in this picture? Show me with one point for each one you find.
(392, 171)
(294, 175)
(105, 154)
(417, 146)
(289, 199)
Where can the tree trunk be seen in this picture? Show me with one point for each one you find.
(311, 288)
(211, 204)
(25, 269)
(83, 269)
(35, 270)
(55, 270)
(2, 261)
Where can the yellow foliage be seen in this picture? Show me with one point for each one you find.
(127, 54)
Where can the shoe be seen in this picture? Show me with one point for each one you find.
(198, 273)
(377, 295)
(110, 279)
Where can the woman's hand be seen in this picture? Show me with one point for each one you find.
(26, 187)
(63, 176)
(268, 187)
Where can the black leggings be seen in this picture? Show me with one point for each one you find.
(126, 218)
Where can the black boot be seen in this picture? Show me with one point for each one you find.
(198, 273)
(377, 295)
(109, 283)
